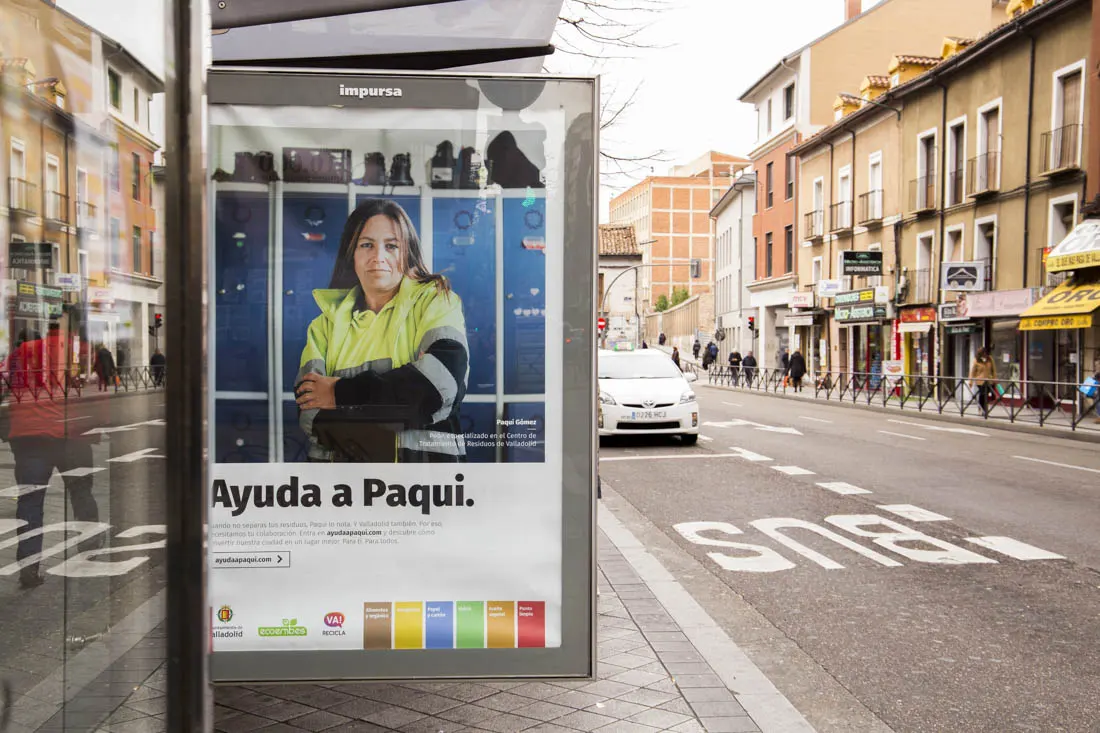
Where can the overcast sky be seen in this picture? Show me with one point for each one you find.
(706, 53)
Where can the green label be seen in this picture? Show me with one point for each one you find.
(470, 620)
(290, 627)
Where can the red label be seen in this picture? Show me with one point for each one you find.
(531, 623)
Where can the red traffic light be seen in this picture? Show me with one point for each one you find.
(601, 323)
(158, 320)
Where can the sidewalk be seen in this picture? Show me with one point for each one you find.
(651, 677)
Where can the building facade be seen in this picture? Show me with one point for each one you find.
(617, 289)
(735, 263)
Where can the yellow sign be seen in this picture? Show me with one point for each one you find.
(1067, 299)
(1081, 248)
(1056, 323)
(1056, 263)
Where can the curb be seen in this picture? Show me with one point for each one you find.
(1051, 432)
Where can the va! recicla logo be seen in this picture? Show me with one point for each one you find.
(335, 622)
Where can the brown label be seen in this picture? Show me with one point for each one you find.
(377, 626)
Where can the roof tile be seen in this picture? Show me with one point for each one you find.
(618, 240)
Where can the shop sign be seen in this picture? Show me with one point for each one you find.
(860, 263)
(959, 310)
(918, 315)
(969, 276)
(893, 368)
(998, 303)
(804, 299)
(1081, 248)
(800, 320)
(30, 255)
(961, 329)
(36, 301)
(867, 295)
(101, 296)
(870, 312)
(1056, 323)
(882, 294)
(67, 280)
(828, 288)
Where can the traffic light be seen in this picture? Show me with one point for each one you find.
(752, 323)
(158, 320)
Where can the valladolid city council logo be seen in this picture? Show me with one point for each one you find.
(290, 627)
(224, 630)
(225, 614)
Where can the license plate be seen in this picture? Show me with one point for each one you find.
(648, 415)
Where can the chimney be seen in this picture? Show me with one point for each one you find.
(852, 9)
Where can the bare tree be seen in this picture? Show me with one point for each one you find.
(602, 30)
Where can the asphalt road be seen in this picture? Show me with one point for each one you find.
(84, 594)
(920, 630)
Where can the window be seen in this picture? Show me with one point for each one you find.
(1063, 217)
(985, 244)
(1065, 143)
(149, 112)
(150, 178)
(921, 286)
(137, 108)
(954, 249)
(790, 177)
(135, 185)
(768, 192)
(843, 218)
(872, 210)
(55, 208)
(925, 189)
(768, 121)
(816, 268)
(788, 244)
(82, 265)
(987, 167)
(956, 156)
(768, 254)
(115, 243)
(114, 89)
(83, 212)
(150, 259)
(788, 102)
(115, 169)
(137, 250)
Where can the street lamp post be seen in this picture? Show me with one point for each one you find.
(632, 268)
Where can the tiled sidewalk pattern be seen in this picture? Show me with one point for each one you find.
(650, 678)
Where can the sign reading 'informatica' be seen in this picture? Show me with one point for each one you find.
(861, 263)
(394, 495)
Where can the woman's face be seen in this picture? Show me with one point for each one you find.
(378, 256)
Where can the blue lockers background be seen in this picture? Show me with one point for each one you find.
(463, 243)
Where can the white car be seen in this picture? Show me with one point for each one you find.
(644, 392)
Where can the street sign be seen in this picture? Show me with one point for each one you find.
(601, 323)
(719, 335)
(67, 280)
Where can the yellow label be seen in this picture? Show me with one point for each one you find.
(1054, 323)
(1058, 263)
(408, 625)
(1067, 300)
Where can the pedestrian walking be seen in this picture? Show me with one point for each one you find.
(695, 350)
(712, 350)
(645, 345)
(157, 361)
(983, 374)
(676, 358)
(735, 366)
(661, 340)
(104, 367)
(797, 367)
(748, 367)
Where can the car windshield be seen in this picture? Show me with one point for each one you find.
(638, 367)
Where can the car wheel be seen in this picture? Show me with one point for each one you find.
(690, 438)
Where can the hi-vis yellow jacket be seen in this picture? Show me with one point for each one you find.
(413, 353)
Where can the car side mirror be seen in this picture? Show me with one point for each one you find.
(691, 377)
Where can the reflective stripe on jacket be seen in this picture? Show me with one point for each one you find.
(412, 353)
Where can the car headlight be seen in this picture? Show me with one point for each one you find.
(686, 397)
(606, 399)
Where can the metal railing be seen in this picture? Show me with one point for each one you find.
(815, 224)
(984, 174)
(20, 386)
(1061, 149)
(22, 195)
(922, 194)
(921, 288)
(57, 207)
(1058, 404)
(870, 207)
(840, 216)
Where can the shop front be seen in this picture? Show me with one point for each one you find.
(916, 332)
(1062, 334)
(807, 331)
(864, 333)
(961, 338)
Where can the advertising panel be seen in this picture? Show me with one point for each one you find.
(402, 376)
(963, 276)
(855, 262)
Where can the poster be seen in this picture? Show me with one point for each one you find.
(387, 397)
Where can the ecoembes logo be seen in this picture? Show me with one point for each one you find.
(335, 623)
(370, 91)
(225, 615)
(290, 627)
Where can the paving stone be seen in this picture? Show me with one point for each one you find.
(689, 726)
(608, 688)
(504, 702)
(503, 685)
(433, 725)
(662, 719)
(698, 680)
(543, 710)
(124, 714)
(707, 694)
(629, 660)
(739, 724)
(145, 693)
(640, 592)
(431, 704)
(577, 699)
(615, 633)
(359, 708)
(638, 678)
(221, 713)
(649, 698)
(152, 706)
(724, 709)
(682, 656)
(394, 717)
(618, 646)
(584, 720)
(617, 708)
(321, 698)
(391, 694)
(430, 686)
(677, 705)
(356, 726)
(471, 691)
(319, 720)
(549, 728)
(242, 724)
(537, 690)
(655, 668)
(141, 725)
(666, 636)
(508, 723)
(607, 671)
(252, 702)
(287, 709)
(665, 685)
(679, 669)
(470, 714)
(672, 646)
(623, 726)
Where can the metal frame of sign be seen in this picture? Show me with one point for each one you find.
(576, 656)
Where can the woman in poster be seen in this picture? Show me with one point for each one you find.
(383, 372)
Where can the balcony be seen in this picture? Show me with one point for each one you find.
(1061, 150)
(922, 195)
(840, 216)
(870, 208)
(87, 216)
(923, 287)
(984, 175)
(57, 208)
(815, 225)
(22, 196)
(954, 193)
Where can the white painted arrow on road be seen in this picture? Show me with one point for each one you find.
(124, 428)
(135, 456)
(966, 431)
(758, 426)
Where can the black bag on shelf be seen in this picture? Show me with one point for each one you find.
(254, 167)
(316, 165)
(401, 170)
(374, 173)
(443, 166)
(510, 167)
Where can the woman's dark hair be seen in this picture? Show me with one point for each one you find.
(343, 273)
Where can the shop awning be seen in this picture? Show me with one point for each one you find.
(1070, 305)
(915, 327)
(1081, 248)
